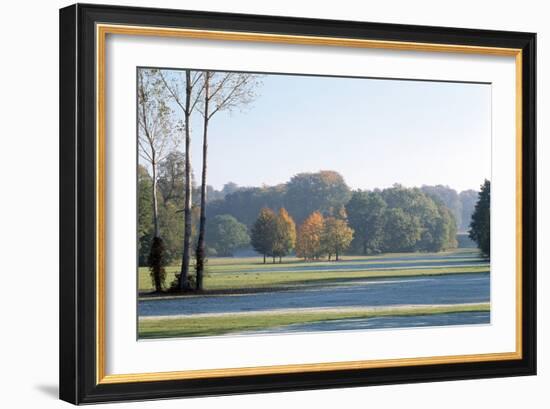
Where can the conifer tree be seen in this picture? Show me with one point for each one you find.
(480, 226)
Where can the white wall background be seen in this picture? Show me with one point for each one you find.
(29, 215)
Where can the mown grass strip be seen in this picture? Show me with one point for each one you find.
(243, 280)
(254, 265)
(230, 323)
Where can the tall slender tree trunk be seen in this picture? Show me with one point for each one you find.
(202, 221)
(156, 244)
(155, 200)
(264, 258)
(186, 257)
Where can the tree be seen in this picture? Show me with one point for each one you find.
(365, 214)
(337, 237)
(285, 235)
(157, 262)
(171, 180)
(145, 215)
(171, 226)
(221, 92)
(448, 196)
(213, 194)
(263, 232)
(309, 238)
(423, 224)
(310, 192)
(439, 231)
(226, 234)
(155, 140)
(305, 193)
(246, 203)
(401, 231)
(186, 98)
(230, 187)
(449, 228)
(468, 199)
(480, 226)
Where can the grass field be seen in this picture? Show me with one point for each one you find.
(219, 324)
(263, 301)
(251, 273)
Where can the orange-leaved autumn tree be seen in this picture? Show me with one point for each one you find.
(310, 235)
(285, 235)
(337, 236)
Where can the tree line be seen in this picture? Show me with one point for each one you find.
(307, 192)
(395, 219)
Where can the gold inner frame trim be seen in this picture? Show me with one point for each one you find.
(101, 32)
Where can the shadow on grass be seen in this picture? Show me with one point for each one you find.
(295, 285)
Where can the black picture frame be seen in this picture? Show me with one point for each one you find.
(78, 312)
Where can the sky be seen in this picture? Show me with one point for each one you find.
(375, 132)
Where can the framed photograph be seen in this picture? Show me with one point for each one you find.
(257, 203)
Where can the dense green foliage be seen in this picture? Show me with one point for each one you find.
(171, 218)
(309, 192)
(365, 211)
(400, 219)
(245, 203)
(461, 204)
(449, 197)
(263, 232)
(480, 227)
(301, 196)
(225, 234)
(145, 214)
(401, 231)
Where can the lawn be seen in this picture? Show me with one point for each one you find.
(225, 323)
(251, 273)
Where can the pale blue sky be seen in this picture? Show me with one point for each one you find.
(374, 132)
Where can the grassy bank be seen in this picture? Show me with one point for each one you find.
(226, 323)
